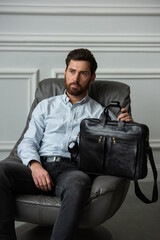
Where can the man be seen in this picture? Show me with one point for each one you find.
(47, 167)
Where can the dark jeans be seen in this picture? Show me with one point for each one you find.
(70, 185)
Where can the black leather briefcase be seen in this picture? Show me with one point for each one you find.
(116, 148)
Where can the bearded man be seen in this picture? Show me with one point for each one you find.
(47, 164)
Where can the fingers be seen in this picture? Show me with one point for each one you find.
(125, 116)
(44, 182)
(41, 177)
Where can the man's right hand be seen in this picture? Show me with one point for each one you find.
(40, 176)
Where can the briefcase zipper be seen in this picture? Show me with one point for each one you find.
(114, 140)
(95, 138)
(100, 139)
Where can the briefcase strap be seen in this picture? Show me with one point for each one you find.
(138, 192)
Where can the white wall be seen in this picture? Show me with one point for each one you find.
(35, 37)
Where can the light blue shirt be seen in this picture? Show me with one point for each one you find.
(54, 123)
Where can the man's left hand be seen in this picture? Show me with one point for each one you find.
(125, 116)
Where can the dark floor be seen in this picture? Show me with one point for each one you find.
(134, 221)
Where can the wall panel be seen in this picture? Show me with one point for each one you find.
(17, 88)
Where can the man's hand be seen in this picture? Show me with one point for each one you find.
(125, 116)
(40, 176)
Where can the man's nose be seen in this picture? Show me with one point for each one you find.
(76, 77)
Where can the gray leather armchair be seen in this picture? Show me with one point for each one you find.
(107, 193)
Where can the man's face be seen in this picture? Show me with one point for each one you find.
(78, 77)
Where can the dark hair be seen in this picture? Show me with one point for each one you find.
(82, 55)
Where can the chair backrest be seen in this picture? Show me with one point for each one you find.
(102, 91)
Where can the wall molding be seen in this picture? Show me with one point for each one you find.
(155, 144)
(128, 73)
(123, 73)
(65, 42)
(80, 10)
(30, 75)
(7, 146)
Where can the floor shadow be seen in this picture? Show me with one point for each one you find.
(99, 233)
(28, 231)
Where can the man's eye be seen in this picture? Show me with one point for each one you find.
(84, 74)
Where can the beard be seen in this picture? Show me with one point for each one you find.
(75, 89)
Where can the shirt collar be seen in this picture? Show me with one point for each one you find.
(66, 98)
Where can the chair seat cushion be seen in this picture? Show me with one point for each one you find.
(43, 210)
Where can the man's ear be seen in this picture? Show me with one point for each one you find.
(93, 78)
(65, 72)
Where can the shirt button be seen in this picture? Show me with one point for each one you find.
(70, 120)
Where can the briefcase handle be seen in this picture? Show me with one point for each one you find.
(106, 115)
(138, 191)
(115, 104)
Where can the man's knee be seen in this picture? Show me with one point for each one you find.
(3, 172)
(3, 168)
(6, 168)
(77, 178)
(10, 171)
(74, 184)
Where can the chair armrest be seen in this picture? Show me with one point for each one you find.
(105, 184)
